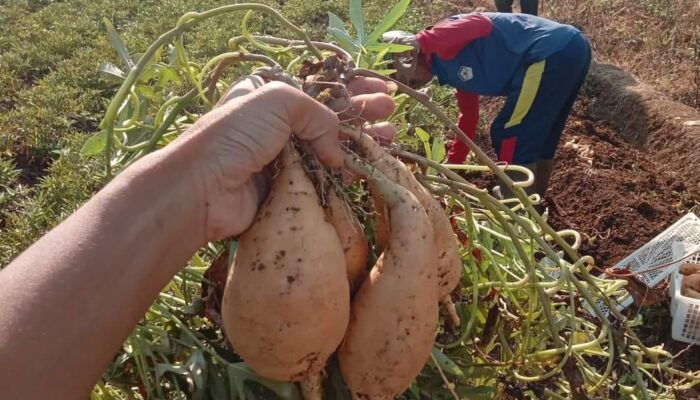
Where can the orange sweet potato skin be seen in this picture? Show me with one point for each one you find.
(381, 219)
(286, 303)
(445, 241)
(351, 237)
(395, 313)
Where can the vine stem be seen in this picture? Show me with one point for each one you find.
(235, 41)
(489, 202)
(569, 275)
(529, 181)
(254, 7)
(358, 166)
(222, 61)
(458, 181)
(444, 378)
(186, 22)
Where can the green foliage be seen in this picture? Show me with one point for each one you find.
(9, 188)
(8, 173)
(53, 95)
(434, 149)
(139, 124)
(370, 53)
(33, 211)
(367, 49)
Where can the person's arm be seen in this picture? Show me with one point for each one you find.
(68, 302)
(447, 38)
(468, 104)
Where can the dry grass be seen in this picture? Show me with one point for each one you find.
(656, 40)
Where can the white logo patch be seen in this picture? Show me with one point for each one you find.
(465, 73)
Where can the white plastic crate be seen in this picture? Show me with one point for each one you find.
(684, 310)
(659, 251)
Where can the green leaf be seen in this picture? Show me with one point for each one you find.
(236, 383)
(389, 20)
(344, 40)
(240, 372)
(111, 72)
(446, 364)
(425, 139)
(414, 390)
(147, 92)
(151, 68)
(197, 366)
(389, 47)
(381, 65)
(422, 135)
(385, 72)
(477, 371)
(337, 30)
(215, 385)
(378, 60)
(118, 44)
(95, 144)
(358, 20)
(334, 22)
(438, 151)
(476, 392)
(193, 371)
(167, 75)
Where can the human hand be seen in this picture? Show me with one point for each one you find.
(230, 146)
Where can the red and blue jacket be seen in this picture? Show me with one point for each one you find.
(480, 53)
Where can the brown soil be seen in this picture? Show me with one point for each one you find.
(668, 130)
(615, 194)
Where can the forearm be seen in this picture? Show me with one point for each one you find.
(70, 300)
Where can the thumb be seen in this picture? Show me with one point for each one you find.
(241, 87)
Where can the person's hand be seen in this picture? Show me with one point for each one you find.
(248, 129)
(129, 240)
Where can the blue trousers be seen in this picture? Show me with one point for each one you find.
(538, 103)
(526, 6)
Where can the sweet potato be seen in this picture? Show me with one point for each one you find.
(690, 286)
(394, 315)
(287, 302)
(351, 237)
(446, 246)
(689, 269)
(381, 219)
